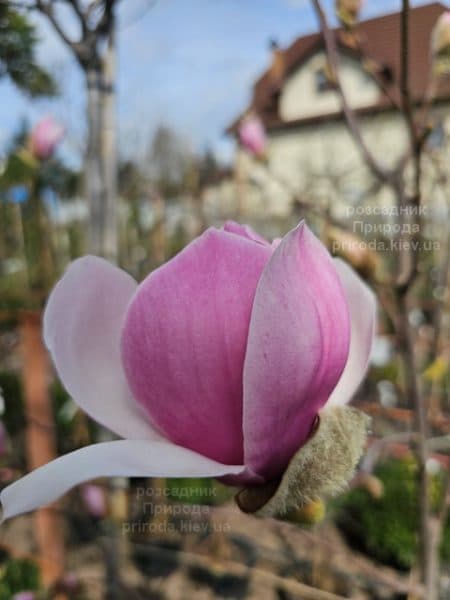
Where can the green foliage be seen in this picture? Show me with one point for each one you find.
(190, 491)
(64, 181)
(17, 54)
(29, 244)
(388, 372)
(18, 575)
(386, 528)
(197, 491)
(72, 430)
(22, 168)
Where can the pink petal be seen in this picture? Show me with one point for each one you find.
(122, 458)
(297, 349)
(184, 341)
(245, 231)
(276, 242)
(253, 135)
(46, 135)
(82, 324)
(363, 308)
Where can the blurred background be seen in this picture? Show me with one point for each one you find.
(126, 129)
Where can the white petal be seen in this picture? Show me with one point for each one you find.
(363, 309)
(82, 326)
(121, 458)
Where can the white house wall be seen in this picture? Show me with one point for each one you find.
(300, 97)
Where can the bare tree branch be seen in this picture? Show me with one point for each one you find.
(47, 9)
(389, 177)
(405, 90)
(79, 13)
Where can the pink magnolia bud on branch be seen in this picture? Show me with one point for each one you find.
(252, 135)
(236, 359)
(45, 136)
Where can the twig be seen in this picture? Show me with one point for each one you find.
(377, 169)
(373, 453)
(404, 73)
(80, 15)
(47, 9)
(407, 276)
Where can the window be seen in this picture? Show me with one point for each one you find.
(323, 79)
(436, 139)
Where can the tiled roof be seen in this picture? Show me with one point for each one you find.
(379, 41)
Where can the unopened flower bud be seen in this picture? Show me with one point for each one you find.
(440, 45)
(253, 135)
(46, 135)
(348, 11)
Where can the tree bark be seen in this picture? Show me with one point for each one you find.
(93, 169)
(40, 441)
(101, 160)
(109, 148)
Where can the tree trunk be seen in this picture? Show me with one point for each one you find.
(101, 162)
(40, 441)
(109, 148)
(93, 170)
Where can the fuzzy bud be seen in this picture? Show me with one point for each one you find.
(320, 468)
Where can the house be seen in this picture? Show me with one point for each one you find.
(311, 154)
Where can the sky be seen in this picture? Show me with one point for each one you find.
(189, 64)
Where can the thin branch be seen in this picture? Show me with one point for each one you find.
(93, 6)
(445, 508)
(376, 449)
(104, 24)
(405, 90)
(377, 169)
(81, 16)
(409, 272)
(47, 9)
(370, 67)
(407, 276)
(439, 444)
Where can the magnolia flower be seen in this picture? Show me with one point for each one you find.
(253, 135)
(216, 365)
(24, 596)
(440, 44)
(46, 135)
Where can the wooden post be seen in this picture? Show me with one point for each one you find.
(40, 440)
